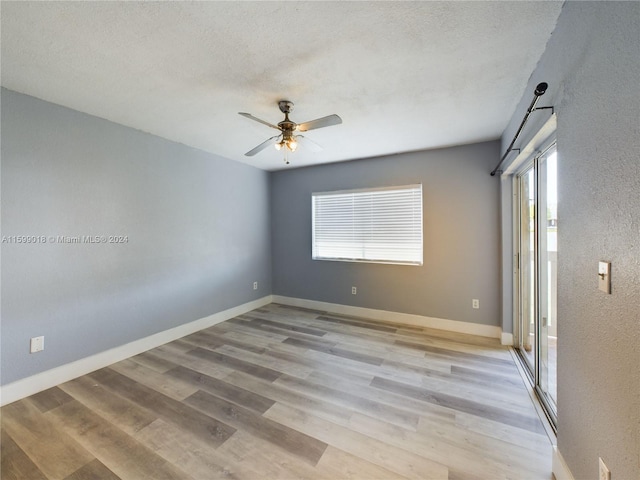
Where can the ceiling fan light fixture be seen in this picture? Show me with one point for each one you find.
(287, 140)
(287, 144)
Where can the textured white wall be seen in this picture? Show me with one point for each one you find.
(592, 65)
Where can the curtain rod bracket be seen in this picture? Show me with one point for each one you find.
(546, 108)
(541, 88)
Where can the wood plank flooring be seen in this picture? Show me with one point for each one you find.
(287, 393)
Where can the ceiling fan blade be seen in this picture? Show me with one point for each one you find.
(262, 146)
(248, 115)
(308, 144)
(319, 123)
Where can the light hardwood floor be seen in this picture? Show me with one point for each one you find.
(287, 393)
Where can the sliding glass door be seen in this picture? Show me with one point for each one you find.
(537, 207)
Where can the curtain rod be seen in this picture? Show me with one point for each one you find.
(537, 93)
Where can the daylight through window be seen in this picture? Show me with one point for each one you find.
(381, 225)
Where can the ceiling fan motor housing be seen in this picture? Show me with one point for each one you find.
(287, 126)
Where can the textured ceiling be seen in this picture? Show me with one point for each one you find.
(402, 75)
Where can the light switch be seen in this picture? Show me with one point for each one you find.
(604, 276)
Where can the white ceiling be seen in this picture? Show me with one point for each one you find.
(402, 75)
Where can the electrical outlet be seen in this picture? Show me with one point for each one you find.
(37, 344)
(475, 303)
(604, 474)
(354, 290)
(255, 285)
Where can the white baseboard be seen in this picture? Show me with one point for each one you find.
(406, 318)
(36, 383)
(559, 466)
(506, 339)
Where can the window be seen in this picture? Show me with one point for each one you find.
(381, 225)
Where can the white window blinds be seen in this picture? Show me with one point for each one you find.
(382, 225)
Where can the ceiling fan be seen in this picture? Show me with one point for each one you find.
(287, 139)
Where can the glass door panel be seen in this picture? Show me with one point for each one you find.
(527, 310)
(547, 266)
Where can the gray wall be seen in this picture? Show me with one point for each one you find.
(461, 236)
(592, 65)
(197, 227)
